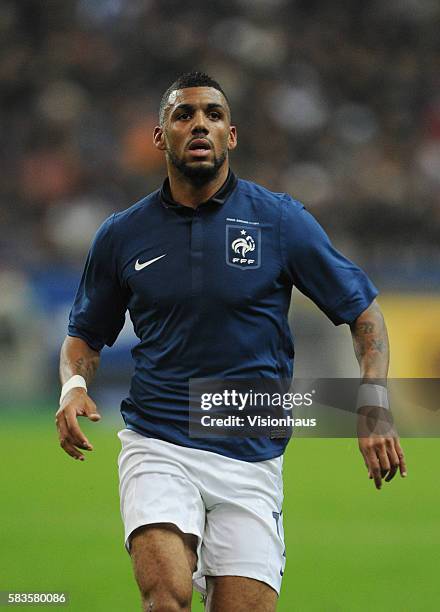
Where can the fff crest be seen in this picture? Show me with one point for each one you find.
(243, 247)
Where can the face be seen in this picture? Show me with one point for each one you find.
(196, 134)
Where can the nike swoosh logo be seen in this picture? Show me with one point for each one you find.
(140, 266)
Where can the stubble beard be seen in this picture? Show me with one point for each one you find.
(198, 175)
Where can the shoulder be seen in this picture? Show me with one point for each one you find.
(120, 224)
(248, 189)
(125, 218)
(253, 190)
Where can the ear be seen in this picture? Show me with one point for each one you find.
(232, 138)
(159, 138)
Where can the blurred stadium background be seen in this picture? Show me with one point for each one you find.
(336, 103)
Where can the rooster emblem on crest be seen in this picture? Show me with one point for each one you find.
(243, 245)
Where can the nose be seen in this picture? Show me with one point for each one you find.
(199, 124)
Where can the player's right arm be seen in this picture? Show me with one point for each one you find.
(77, 358)
(96, 318)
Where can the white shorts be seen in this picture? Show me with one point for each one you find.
(232, 506)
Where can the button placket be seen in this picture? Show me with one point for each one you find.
(196, 254)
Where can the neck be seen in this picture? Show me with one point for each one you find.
(188, 194)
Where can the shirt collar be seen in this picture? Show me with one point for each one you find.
(218, 198)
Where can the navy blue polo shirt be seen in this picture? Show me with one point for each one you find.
(208, 292)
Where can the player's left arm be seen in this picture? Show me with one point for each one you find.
(383, 454)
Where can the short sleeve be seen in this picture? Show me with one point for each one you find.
(336, 285)
(98, 312)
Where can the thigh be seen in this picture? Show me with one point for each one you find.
(244, 527)
(238, 594)
(155, 488)
(164, 560)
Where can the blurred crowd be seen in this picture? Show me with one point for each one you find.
(337, 103)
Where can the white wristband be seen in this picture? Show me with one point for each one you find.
(74, 381)
(372, 395)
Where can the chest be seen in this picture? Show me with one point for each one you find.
(203, 256)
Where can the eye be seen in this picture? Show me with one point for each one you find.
(215, 115)
(183, 116)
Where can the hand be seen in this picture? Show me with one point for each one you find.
(383, 457)
(76, 403)
(380, 445)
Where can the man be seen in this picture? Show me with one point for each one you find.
(205, 266)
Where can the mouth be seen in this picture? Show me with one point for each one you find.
(199, 147)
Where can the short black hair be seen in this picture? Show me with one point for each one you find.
(188, 79)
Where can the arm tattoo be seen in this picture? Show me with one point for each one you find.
(86, 367)
(363, 346)
(370, 342)
(366, 327)
(377, 344)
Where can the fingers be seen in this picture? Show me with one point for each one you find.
(383, 460)
(91, 411)
(374, 468)
(383, 457)
(64, 437)
(71, 437)
(401, 456)
(76, 436)
(393, 458)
